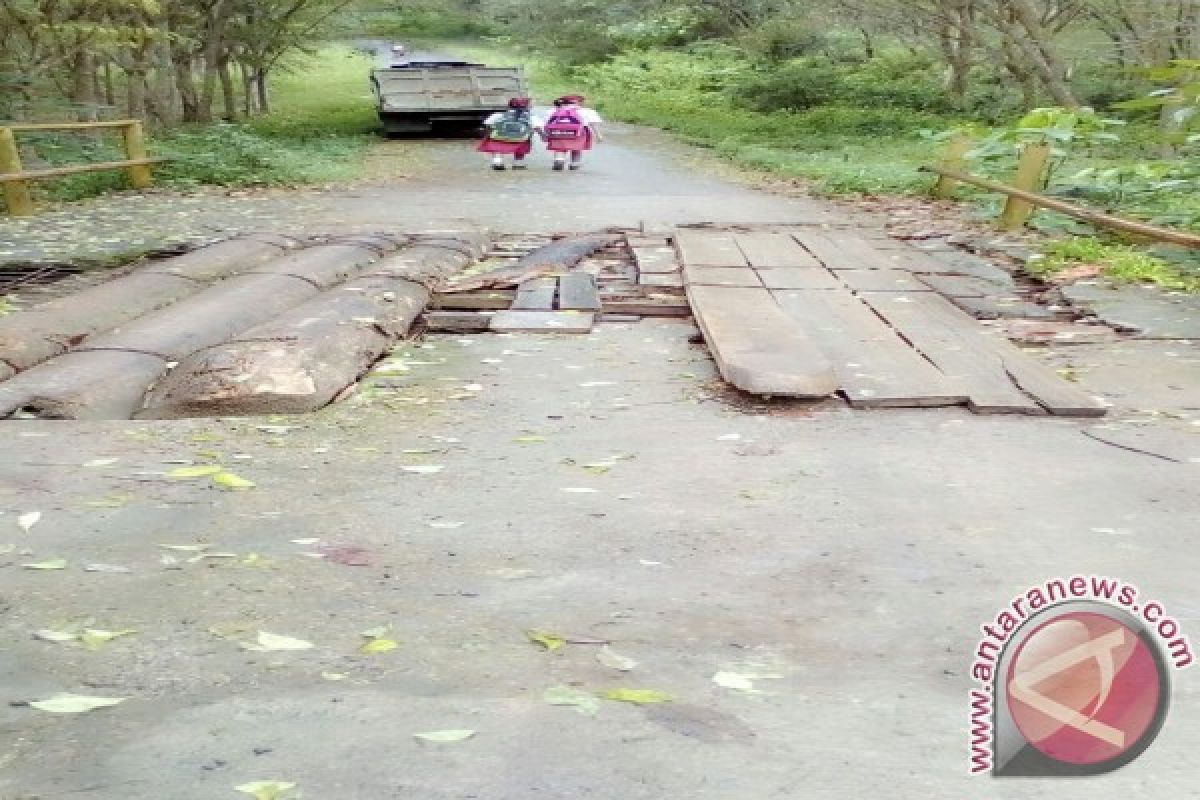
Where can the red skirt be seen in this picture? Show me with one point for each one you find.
(490, 145)
(571, 145)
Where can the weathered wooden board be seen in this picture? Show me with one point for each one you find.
(457, 321)
(474, 301)
(799, 278)
(543, 322)
(536, 295)
(1056, 395)
(655, 260)
(874, 366)
(954, 343)
(647, 308)
(881, 280)
(670, 280)
(839, 250)
(577, 292)
(774, 250)
(758, 347)
(703, 248)
(742, 277)
(961, 285)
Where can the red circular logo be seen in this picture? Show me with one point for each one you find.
(1084, 688)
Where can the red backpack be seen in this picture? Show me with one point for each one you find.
(565, 123)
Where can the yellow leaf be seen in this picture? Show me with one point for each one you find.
(94, 639)
(265, 790)
(270, 642)
(637, 696)
(445, 736)
(377, 646)
(550, 641)
(201, 471)
(227, 480)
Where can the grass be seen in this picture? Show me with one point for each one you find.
(1120, 263)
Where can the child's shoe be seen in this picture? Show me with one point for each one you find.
(559, 164)
(498, 164)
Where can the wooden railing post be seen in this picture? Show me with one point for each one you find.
(135, 150)
(956, 159)
(16, 193)
(1031, 170)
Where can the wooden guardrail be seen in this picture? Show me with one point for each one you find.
(16, 180)
(1023, 198)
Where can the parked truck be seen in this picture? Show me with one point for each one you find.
(419, 96)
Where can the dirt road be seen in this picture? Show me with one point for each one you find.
(807, 585)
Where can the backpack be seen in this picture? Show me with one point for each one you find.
(564, 124)
(514, 127)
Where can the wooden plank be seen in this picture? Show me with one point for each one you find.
(742, 277)
(701, 248)
(543, 322)
(655, 260)
(874, 366)
(839, 250)
(672, 280)
(759, 348)
(642, 240)
(1054, 394)
(882, 280)
(577, 292)
(646, 308)
(536, 295)
(457, 321)
(69, 126)
(474, 301)
(956, 346)
(99, 166)
(799, 278)
(774, 251)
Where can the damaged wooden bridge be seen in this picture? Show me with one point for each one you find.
(270, 324)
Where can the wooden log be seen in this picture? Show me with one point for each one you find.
(456, 321)
(303, 359)
(173, 333)
(16, 191)
(1030, 175)
(552, 260)
(81, 169)
(1096, 218)
(88, 386)
(50, 329)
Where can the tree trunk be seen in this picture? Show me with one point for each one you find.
(135, 94)
(83, 83)
(228, 95)
(110, 88)
(185, 81)
(1023, 25)
(249, 101)
(260, 86)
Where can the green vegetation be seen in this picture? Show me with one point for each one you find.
(323, 121)
(1121, 263)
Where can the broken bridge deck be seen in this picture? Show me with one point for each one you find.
(807, 312)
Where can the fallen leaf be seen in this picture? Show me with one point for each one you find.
(334, 677)
(313, 540)
(265, 790)
(446, 526)
(58, 637)
(112, 501)
(600, 467)
(346, 555)
(426, 469)
(270, 643)
(66, 703)
(27, 521)
(201, 471)
(637, 696)
(581, 701)
(232, 482)
(550, 641)
(730, 437)
(110, 568)
(445, 736)
(52, 564)
(530, 440)
(734, 680)
(186, 548)
(379, 646)
(578, 490)
(102, 462)
(94, 639)
(614, 660)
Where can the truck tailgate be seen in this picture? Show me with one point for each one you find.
(447, 88)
